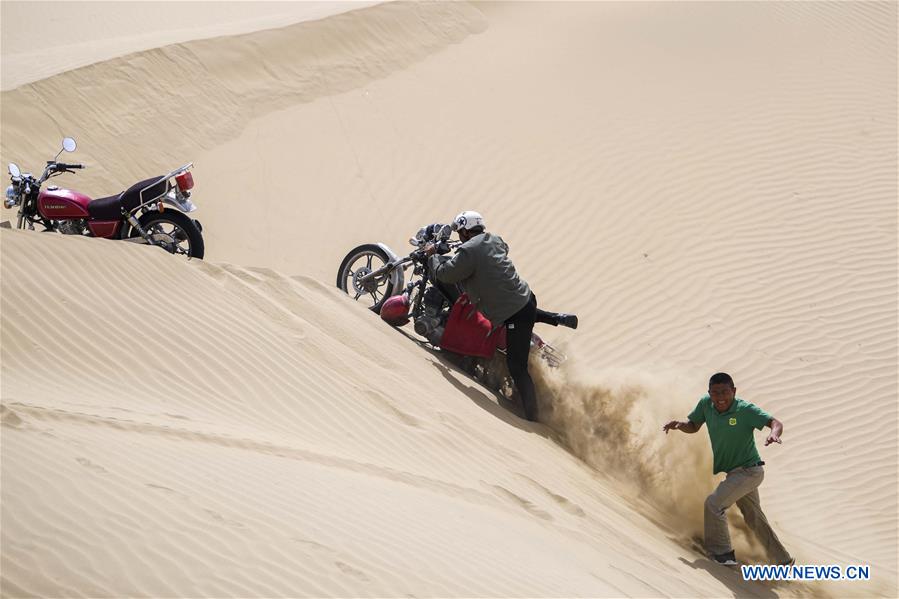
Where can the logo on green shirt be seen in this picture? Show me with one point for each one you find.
(732, 422)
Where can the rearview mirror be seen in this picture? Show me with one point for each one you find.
(14, 170)
(68, 144)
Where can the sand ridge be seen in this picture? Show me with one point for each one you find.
(40, 41)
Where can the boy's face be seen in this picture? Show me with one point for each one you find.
(722, 395)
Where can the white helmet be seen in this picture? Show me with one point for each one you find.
(468, 220)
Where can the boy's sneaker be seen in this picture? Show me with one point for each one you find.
(568, 320)
(726, 559)
(789, 563)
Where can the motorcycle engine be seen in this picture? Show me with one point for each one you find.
(71, 227)
(429, 323)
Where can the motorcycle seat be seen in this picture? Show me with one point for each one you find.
(110, 208)
(144, 191)
(106, 208)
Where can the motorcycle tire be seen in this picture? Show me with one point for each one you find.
(183, 222)
(352, 256)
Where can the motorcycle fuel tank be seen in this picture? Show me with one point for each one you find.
(60, 204)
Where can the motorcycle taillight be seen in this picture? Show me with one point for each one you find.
(185, 181)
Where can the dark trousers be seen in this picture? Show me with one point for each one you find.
(519, 328)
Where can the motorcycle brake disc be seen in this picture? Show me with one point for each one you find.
(368, 286)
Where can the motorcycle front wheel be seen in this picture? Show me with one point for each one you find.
(359, 262)
(174, 231)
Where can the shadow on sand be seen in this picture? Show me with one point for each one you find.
(509, 411)
(733, 579)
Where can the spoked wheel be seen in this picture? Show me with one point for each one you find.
(173, 231)
(361, 261)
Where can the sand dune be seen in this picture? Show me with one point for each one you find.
(710, 186)
(222, 431)
(48, 38)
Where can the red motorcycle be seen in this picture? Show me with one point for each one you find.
(153, 211)
(442, 316)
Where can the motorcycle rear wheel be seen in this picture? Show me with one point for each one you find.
(358, 262)
(176, 231)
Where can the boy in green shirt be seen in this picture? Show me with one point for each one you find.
(732, 423)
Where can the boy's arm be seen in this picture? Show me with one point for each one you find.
(777, 429)
(693, 422)
(687, 426)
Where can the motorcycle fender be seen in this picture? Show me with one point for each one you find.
(184, 205)
(398, 276)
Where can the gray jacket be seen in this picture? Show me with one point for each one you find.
(482, 266)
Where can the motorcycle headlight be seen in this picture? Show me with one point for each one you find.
(11, 197)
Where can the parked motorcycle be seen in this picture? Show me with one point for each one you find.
(375, 274)
(153, 211)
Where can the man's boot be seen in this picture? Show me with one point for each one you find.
(568, 320)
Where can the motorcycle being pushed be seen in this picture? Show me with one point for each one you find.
(153, 211)
(373, 273)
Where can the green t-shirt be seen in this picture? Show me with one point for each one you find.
(731, 433)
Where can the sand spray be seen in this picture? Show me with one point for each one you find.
(612, 419)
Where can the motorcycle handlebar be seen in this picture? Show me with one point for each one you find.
(444, 247)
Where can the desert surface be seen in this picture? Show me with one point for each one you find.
(709, 186)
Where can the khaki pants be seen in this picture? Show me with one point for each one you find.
(740, 487)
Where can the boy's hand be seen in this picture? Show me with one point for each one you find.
(674, 424)
(429, 249)
(772, 438)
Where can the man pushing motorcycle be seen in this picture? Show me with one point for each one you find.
(481, 266)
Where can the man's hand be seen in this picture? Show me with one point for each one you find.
(429, 249)
(674, 424)
(772, 438)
